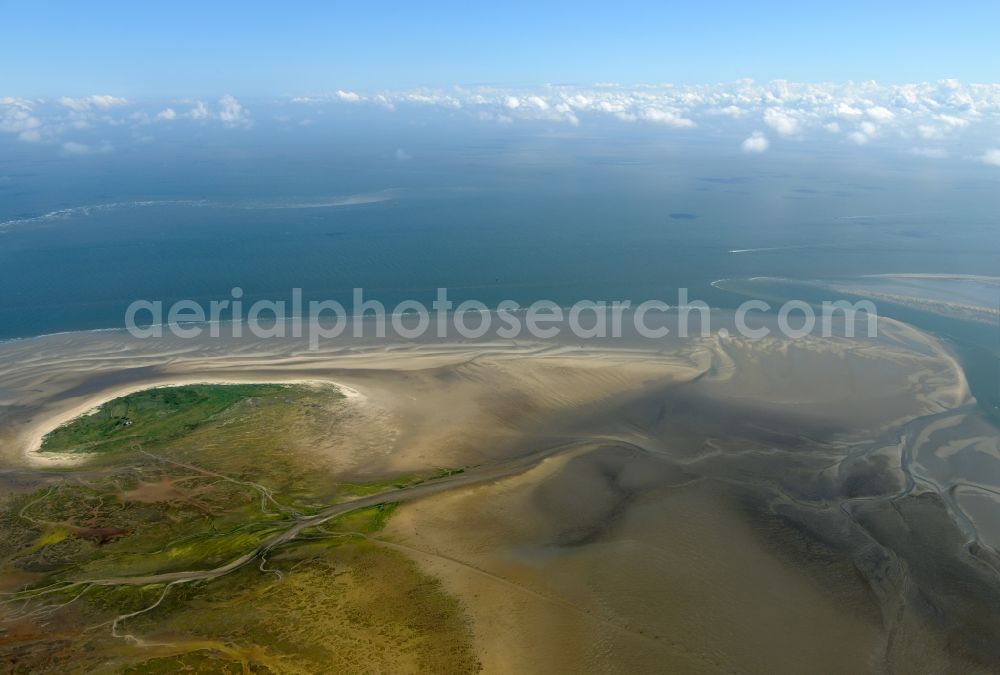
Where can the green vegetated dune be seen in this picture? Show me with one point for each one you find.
(180, 480)
(157, 415)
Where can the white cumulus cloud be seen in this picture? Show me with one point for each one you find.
(667, 117)
(992, 157)
(927, 119)
(781, 122)
(17, 118)
(846, 111)
(756, 143)
(232, 113)
(198, 112)
(881, 114)
(102, 101)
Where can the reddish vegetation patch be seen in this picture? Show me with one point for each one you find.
(100, 535)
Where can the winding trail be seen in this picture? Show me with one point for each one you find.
(484, 474)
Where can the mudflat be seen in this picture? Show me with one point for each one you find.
(703, 505)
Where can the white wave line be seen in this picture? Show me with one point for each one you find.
(774, 248)
(363, 198)
(87, 210)
(69, 212)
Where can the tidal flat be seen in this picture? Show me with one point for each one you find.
(712, 504)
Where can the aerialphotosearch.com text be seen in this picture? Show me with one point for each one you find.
(320, 320)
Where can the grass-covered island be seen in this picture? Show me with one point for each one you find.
(155, 416)
(201, 535)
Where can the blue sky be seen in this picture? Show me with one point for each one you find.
(85, 80)
(251, 49)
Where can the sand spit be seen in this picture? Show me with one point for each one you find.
(957, 296)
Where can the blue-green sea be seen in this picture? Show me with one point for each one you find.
(489, 213)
